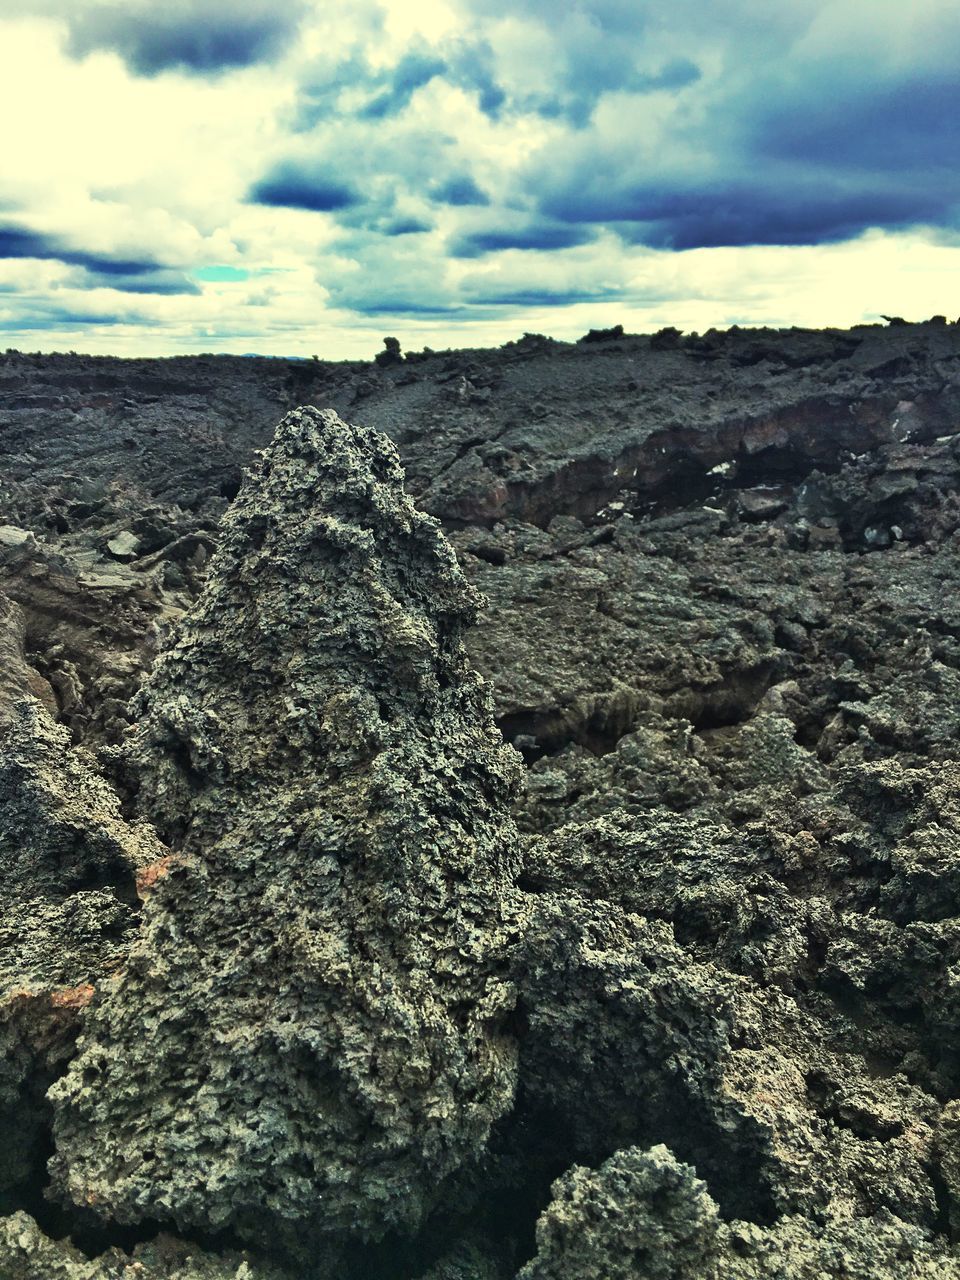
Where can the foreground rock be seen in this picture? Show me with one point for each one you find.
(27, 1254)
(644, 1214)
(731, 961)
(309, 1033)
(68, 868)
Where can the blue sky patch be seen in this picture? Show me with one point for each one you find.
(219, 274)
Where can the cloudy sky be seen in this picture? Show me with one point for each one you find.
(306, 176)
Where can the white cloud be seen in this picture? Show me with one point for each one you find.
(106, 163)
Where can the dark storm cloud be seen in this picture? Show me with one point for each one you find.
(756, 215)
(162, 284)
(468, 64)
(126, 275)
(589, 44)
(389, 305)
(541, 297)
(907, 127)
(675, 74)
(811, 152)
(472, 66)
(42, 319)
(788, 210)
(588, 80)
(20, 242)
(594, 48)
(291, 186)
(375, 182)
(198, 36)
(536, 236)
(406, 227)
(319, 92)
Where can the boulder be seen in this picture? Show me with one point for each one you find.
(311, 1031)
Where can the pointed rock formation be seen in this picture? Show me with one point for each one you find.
(310, 1032)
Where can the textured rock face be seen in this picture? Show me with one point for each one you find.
(644, 1214)
(27, 1254)
(18, 680)
(484, 435)
(729, 1047)
(729, 651)
(310, 1029)
(92, 627)
(68, 865)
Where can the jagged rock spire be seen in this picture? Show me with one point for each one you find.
(309, 1031)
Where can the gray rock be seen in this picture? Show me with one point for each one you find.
(761, 504)
(27, 1254)
(310, 1033)
(68, 866)
(124, 547)
(641, 1214)
(753, 962)
(644, 1214)
(11, 536)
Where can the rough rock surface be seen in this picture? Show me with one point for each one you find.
(310, 1028)
(92, 629)
(643, 1214)
(532, 430)
(68, 868)
(27, 1254)
(733, 676)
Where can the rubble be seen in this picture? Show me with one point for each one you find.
(311, 977)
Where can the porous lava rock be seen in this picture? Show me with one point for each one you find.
(27, 1254)
(625, 1040)
(310, 1031)
(700, 1007)
(645, 1214)
(642, 1214)
(724, 632)
(68, 868)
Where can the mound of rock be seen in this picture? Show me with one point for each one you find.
(310, 1032)
(27, 1254)
(643, 1213)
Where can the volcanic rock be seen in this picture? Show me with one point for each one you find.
(310, 1032)
(125, 546)
(27, 1254)
(68, 865)
(642, 1213)
(722, 628)
(11, 536)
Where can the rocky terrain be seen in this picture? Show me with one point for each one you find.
(638, 957)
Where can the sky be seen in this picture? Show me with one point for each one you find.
(307, 177)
